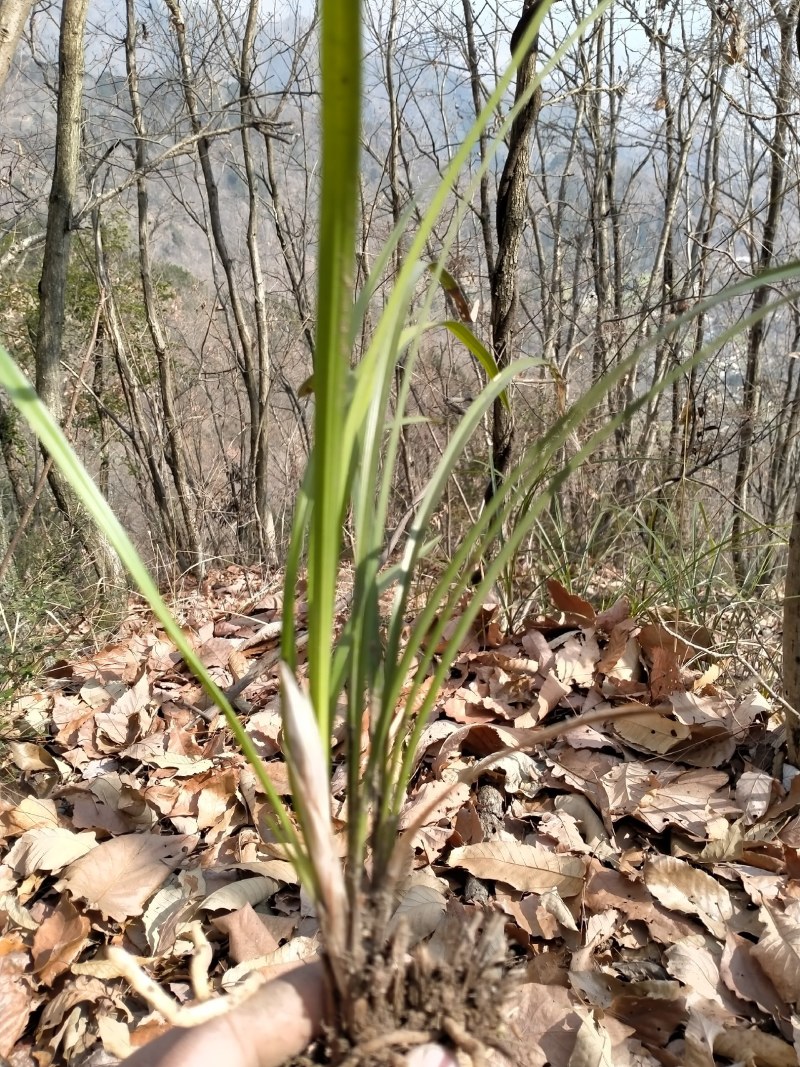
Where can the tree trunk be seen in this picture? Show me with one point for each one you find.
(53, 283)
(188, 546)
(751, 398)
(260, 441)
(791, 638)
(52, 287)
(252, 351)
(483, 141)
(510, 213)
(13, 16)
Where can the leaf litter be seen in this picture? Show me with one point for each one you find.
(644, 868)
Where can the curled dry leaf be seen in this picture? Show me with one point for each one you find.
(58, 941)
(169, 908)
(115, 1036)
(274, 964)
(553, 903)
(778, 950)
(576, 660)
(745, 1045)
(621, 655)
(30, 813)
(545, 1020)
(575, 608)
(588, 821)
(684, 640)
(687, 801)
(695, 961)
(14, 912)
(452, 794)
(30, 757)
(250, 934)
(523, 774)
(83, 990)
(698, 1038)
(48, 848)
(421, 909)
(246, 891)
(754, 791)
(613, 616)
(742, 974)
(529, 868)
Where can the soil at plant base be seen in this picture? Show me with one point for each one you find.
(451, 990)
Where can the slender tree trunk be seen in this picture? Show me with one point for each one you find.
(99, 391)
(251, 353)
(791, 638)
(510, 216)
(190, 555)
(483, 141)
(52, 287)
(751, 395)
(291, 253)
(780, 481)
(260, 441)
(53, 283)
(13, 16)
(145, 445)
(410, 493)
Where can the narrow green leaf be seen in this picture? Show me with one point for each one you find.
(479, 351)
(340, 46)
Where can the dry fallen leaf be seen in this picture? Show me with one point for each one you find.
(29, 814)
(118, 876)
(30, 757)
(660, 951)
(678, 885)
(58, 941)
(695, 961)
(652, 731)
(754, 1046)
(274, 963)
(592, 1046)
(421, 909)
(234, 896)
(16, 1001)
(778, 950)
(48, 848)
(754, 791)
(574, 607)
(529, 868)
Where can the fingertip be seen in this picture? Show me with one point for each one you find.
(431, 1056)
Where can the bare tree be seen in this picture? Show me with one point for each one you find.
(187, 535)
(786, 18)
(639, 180)
(510, 218)
(254, 351)
(52, 286)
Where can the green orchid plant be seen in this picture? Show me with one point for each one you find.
(384, 672)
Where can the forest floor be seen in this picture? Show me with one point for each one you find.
(647, 869)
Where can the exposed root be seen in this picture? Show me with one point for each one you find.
(451, 991)
(397, 1039)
